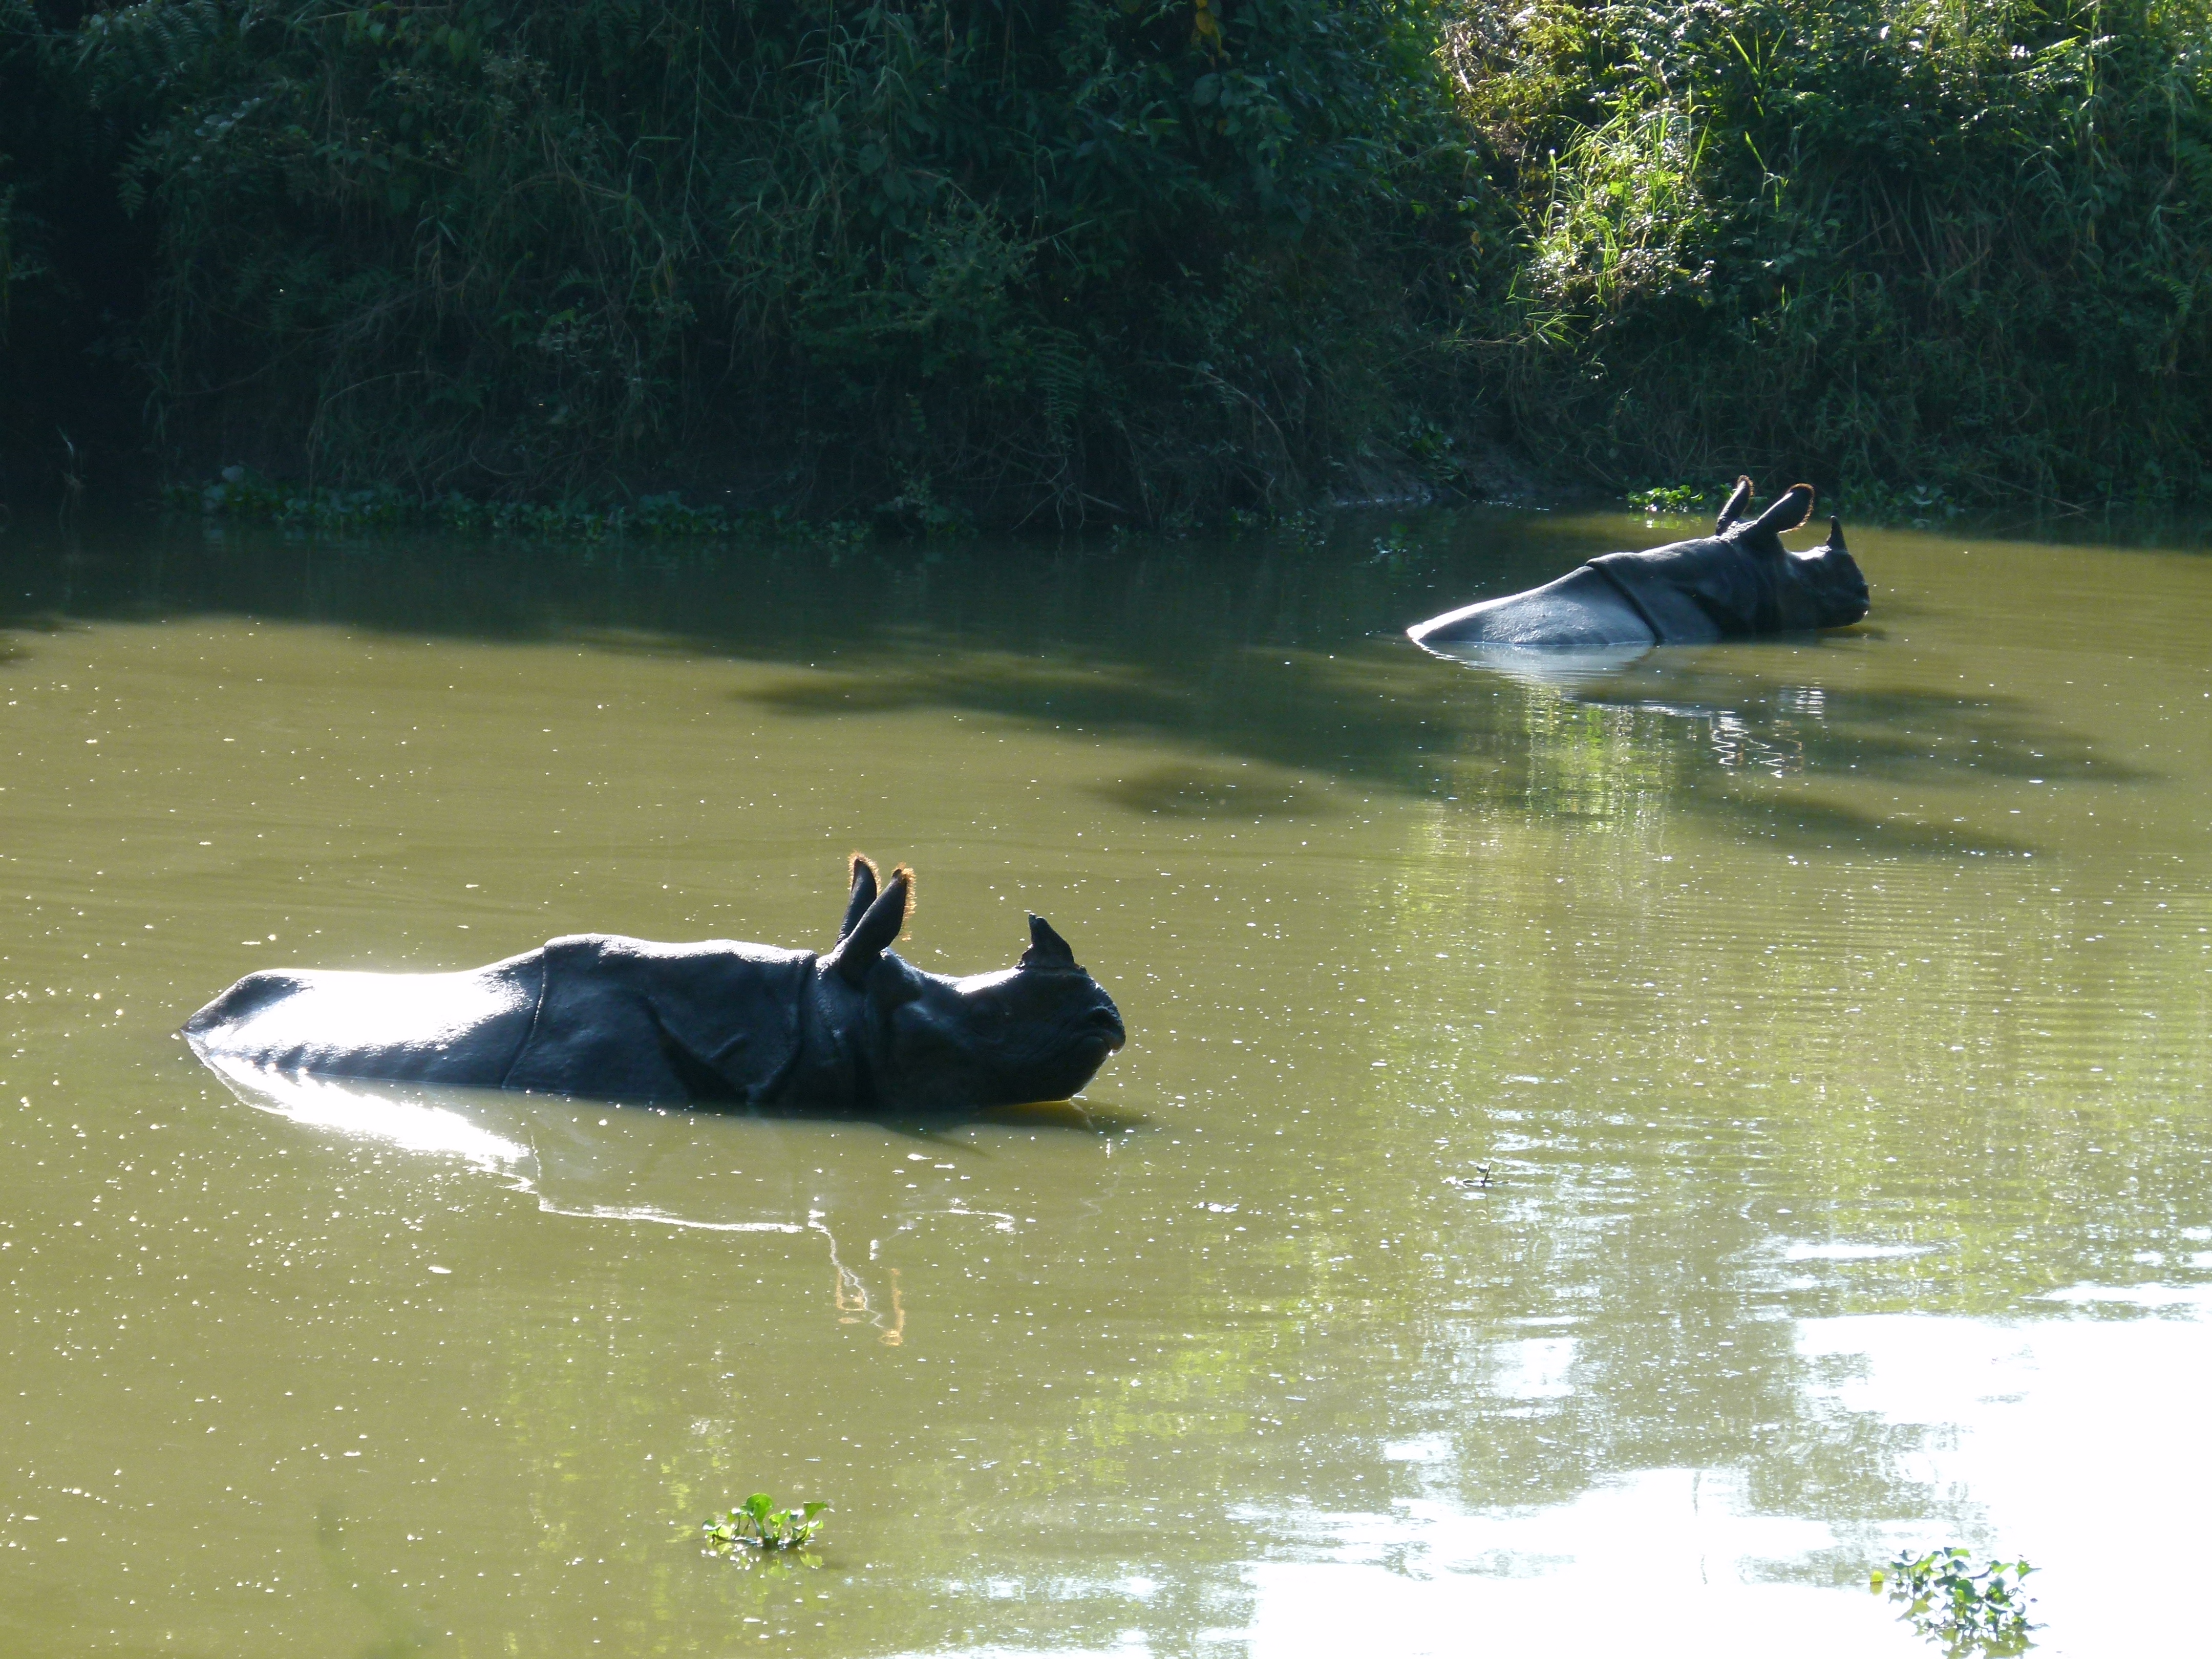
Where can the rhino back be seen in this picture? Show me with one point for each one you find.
(713, 1023)
(462, 1029)
(1580, 609)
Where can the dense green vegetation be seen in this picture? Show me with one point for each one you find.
(1960, 244)
(1066, 259)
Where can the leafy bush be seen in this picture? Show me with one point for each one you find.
(1963, 245)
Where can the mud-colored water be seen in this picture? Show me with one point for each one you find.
(1831, 1017)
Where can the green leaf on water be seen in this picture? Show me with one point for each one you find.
(1974, 1614)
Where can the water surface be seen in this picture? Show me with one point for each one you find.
(1830, 1016)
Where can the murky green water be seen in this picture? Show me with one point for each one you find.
(1832, 1018)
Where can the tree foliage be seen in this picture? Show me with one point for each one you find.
(1052, 254)
(1143, 258)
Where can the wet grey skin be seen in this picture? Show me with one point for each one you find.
(1740, 582)
(714, 1024)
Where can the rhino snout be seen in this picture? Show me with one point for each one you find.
(1105, 1021)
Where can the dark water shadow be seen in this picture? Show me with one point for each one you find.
(1067, 1114)
(1830, 826)
(1192, 792)
(938, 1128)
(1272, 664)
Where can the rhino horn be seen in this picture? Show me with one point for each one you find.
(1046, 948)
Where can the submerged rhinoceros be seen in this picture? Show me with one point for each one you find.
(1737, 582)
(709, 1023)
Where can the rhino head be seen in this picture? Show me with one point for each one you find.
(1819, 589)
(1038, 1030)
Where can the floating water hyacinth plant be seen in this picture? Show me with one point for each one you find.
(757, 1528)
(1975, 1615)
(1673, 498)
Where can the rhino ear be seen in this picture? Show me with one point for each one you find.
(1790, 508)
(882, 922)
(1737, 500)
(864, 893)
(1046, 949)
(1835, 543)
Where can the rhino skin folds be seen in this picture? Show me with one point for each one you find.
(714, 1024)
(1737, 583)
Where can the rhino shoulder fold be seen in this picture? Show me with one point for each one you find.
(630, 1019)
(1653, 587)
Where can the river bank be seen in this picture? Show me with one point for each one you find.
(947, 264)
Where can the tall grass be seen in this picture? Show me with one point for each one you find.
(1922, 243)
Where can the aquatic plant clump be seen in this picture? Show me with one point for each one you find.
(1671, 498)
(1973, 1614)
(1918, 505)
(758, 1528)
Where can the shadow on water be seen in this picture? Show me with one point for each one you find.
(1065, 1117)
(1271, 665)
(1829, 826)
(1189, 792)
(402, 1634)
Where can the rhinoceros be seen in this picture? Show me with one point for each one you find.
(711, 1024)
(1736, 583)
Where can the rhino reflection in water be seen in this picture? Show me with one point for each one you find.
(1736, 583)
(714, 1024)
